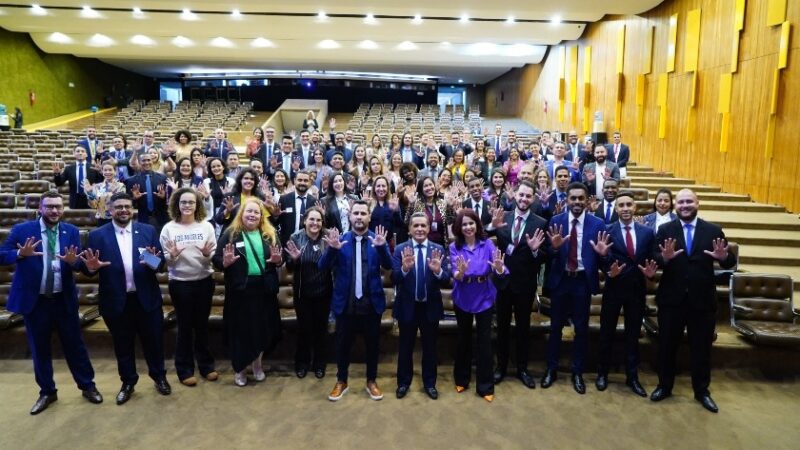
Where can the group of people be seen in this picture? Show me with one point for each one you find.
(489, 218)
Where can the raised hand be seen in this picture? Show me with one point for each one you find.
(201, 189)
(535, 242)
(275, 255)
(292, 250)
(649, 268)
(229, 255)
(172, 184)
(172, 248)
(639, 219)
(136, 192)
(161, 192)
(87, 187)
(544, 195)
(408, 259)
(58, 167)
(603, 243)
(320, 205)
(263, 184)
(332, 122)
(594, 203)
(590, 175)
(29, 248)
(207, 248)
(498, 218)
(393, 203)
(435, 261)
(380, 236)
(720, 250)
(556, 239)
(616, 269)
(332, 239)
(70, 255)
(92, 260)
(497, 262)
(560, 207)
(461, 267)
(668, 250)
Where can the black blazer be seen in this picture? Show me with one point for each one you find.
(236, 273)
(631, 281)
(68, 175)
(405, 285)
(689, 278)
(332, 214)
(486, 216)
(285, 222)
(159, 204)
(522, 266)
(601, 213)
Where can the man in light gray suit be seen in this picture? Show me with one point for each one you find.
(595, 174)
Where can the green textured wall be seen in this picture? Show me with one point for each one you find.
(24, 67)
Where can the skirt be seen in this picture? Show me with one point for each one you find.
(252, 322)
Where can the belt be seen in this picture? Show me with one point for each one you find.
(576, 273)
(474, 279)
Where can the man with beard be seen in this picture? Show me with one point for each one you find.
(578, 241)
(629, 263)
(293, 206)
(358, 298)
(130, 298)
(43, 290)
(433, 169)
(596, 173)
(338, 147)
(520, 234)
(448, 150)
(686, 295)
(91, 143)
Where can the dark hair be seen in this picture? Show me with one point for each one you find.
(527, 184)
(120, 196)
(50, 194)
(256, 192)
(607, 180)
(191, 154)
(212, 159)
(578, 185)
(625, 194)
(408, 167)
(285, 176)
(420, 183)
(124, 140)
(175, 209)
(331, 178)
(316, 209)
(186, 133)
(664, 191)
(458, 223)
(360, 202)
(560, 168)
(177, 174)
(287, 136)
(261, 139)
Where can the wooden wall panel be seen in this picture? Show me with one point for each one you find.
(744, 168)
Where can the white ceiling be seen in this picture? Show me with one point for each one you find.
(290, 33)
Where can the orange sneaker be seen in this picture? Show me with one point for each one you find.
(374, 391)
(489, 398)
(338, 391)
(460, 389)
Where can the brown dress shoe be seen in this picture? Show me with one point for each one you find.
(189, 381)
(338, 391)
(374, 391)
(212, 376)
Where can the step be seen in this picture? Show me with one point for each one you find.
(748, 236)
(709, 205)
(752, 220)
(655, 186)
(636, 180)
(649, 173)
(769, 255)
(792, 271)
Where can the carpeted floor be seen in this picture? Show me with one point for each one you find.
(284, 412)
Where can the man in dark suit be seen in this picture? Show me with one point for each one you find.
(596, 173)
(358, 298)
(630, 262)
(686, 295)
(520, 235)
(148, 190)
(75, 175)
(619, 153)
(270, 148)
(476, 202)
(288, 159)
(130, 298)
(419, 270)
(411, 153)
(293, 206)
(578, 241)
(305, 149)
(218, 146)
(45, 252)
(121, 158)
(606, 208)
(91, 144)
(575, 150)
(338, 147)
(455, 144)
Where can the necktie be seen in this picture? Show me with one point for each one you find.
(608, 212)
(561, 196)
(80, 178)
(478, 210)
(497, 145)
(287, 163)
(302, 206)
(149, 188)
(572, 258)
(517, 230)
(420, 272)
(120, 171)
(49, 283)
(689, 238)
(629, 242)
(359, 290)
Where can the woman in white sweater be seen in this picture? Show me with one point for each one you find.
(189, 243)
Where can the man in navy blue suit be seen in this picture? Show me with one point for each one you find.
(630, 263)
(130, 298)
(92, 145)
(288, 159)
(577, 242)
(358, 298)
(419, 270)
(619, 153)
(149, 192)
(218, 146)
(43, 291)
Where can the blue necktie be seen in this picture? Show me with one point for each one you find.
(420, 273)
(608, 212)
(80, 178)
(689, 238)
(149, 188)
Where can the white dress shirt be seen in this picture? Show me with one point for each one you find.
(125, 243)
(56, 273)
(599, 179)
(662, 219)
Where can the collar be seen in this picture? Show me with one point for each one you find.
(668, 214)
(580, 218)
(118, 229)
(43, 227)
(607, 202)
(622, 225)
(424, 244)
(524, 216)
(693, 223)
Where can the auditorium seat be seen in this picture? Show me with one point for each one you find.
(31, 186)
(8, 319)
(81, 218)
(762, 309)
(11, 217)
(88, 311)
(8, 201)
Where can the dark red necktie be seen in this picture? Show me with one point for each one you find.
(629, 242)
(572, 259)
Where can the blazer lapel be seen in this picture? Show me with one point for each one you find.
(112, 238)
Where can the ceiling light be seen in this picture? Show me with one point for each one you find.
(236, 14)
(510, 20)
(181, 41)
(141, 39)
(321, 17)
(328, 44)
(187, 14)
(60, 38)
(88, 13)
(460, 80)
(464, 18)
(137, 13)
(417, 20)
(37, 10)
(556, 20)
(445, 44)
(406, 45)
(100, 40)
(260, 42)
(368, 45)
(222, 42)
(370, 19)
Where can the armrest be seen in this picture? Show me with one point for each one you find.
(741, 309)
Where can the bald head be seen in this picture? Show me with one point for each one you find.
(686, 205)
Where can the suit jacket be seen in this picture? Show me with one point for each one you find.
(279, 158)
(28, 274)
(309, 160)
(265, 154)
(689, 278)
(69, 175)
(332, 214)
(612, 167)
(406, 285)
(551, 166)
(212, 148)
(591, 260)
(631, 281)
(159, 205)
(569, 156)
(624, 154)
(287, 220)
(348, 154)
(98, 145)
(523, 266)
(416, 158)
(650, 219)
(236, 273)
(341, 262)
(112, 278)
(486, 216)
(601, 213)
(447, 150)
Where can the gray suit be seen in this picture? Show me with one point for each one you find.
(591, 167)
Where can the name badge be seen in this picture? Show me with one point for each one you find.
(141, 250)
(510, 249)
(288, 210)
(434, 226)
(240, 244)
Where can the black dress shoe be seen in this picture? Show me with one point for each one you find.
(526, 379)
(499, 375)
(550, 376)
(707, 402)
(163, 387)
(124, 393)
(93, 396)
(42, 403)
(578, 384)
(636, 387)
(601, 382)
(660, 394)
(319, 373)
(301, 372)
(432, 392)
(402, 390)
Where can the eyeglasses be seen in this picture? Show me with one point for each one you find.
(122, 207)
(53, 207)
(187, 202)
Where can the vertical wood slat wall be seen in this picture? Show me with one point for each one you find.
(744, 167)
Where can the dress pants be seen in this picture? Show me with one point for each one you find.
(632, 301)
(52, 313)
(192, 301)
(521, 305)
(347, 327)
(405, 355)
(571, 298)
(148, 325)
(462, 369)
(700, 327)
(312, 332)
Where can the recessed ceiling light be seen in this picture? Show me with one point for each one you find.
(464, 18)
(60, 38)
(137, 13)
(236, 14)
(328, 44)
(445, 44)
(406, 45)
(182, 41)
(322, 17)
(556, 20)
(368, 45)
(141, 39)
(460, 80)
(37, 10)
(100, 40)
(370, 19)
(260, 42)
(88, 13)
(187, 14)
(222, 42)
(417, 20)
(510, 20)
